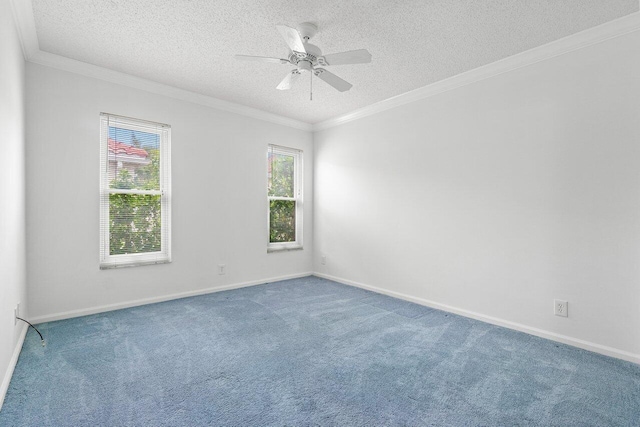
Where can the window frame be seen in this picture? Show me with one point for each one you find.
(297, 155)
(163, 256)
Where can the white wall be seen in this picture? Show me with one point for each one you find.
(219, 196)
(497, 197)
(12, 229)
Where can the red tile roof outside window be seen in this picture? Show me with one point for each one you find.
(119, 148)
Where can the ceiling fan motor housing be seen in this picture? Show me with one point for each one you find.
(306, 60)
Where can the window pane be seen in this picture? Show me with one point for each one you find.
(282, 221)
(280, 175)
(134, 159)
(134, 224)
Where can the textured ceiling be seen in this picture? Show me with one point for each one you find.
(190, 44)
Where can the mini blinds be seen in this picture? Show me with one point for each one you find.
(135, 192)
(284, 193)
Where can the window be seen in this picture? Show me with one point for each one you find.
(135, 192)
(284, 193)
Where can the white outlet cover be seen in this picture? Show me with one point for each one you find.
(561, 308)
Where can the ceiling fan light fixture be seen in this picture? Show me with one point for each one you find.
(304, 66)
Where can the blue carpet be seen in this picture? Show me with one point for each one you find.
(308, 352)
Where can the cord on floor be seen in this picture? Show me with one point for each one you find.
(34, 328)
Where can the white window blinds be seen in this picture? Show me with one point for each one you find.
(135, 192)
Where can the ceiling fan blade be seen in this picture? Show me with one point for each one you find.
(262, 59)
(288, 81)
(360, 56)
(332, 79)
(292, 37)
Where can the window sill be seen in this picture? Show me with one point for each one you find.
(284, 249)
(109, 266)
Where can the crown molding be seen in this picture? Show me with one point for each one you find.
(598, 34)
(23, 17)
(82, 68)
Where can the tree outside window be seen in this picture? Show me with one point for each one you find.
(284, 194)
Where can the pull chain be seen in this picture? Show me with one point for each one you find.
(311, 86)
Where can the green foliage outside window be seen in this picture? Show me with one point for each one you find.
(135, 219)
(282, 213)
(282, 221)
(281, 177)
(135, 224)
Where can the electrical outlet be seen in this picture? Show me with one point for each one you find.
(324, 260)
(16, 314)
(222, 269)
(560, 308)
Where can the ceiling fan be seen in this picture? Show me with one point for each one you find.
(306, 57)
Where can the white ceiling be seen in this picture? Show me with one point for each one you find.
(190, 44)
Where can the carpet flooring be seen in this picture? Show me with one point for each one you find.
(308, 352)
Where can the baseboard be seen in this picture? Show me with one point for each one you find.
(4, 387)
(153, 300)
(585, 345)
